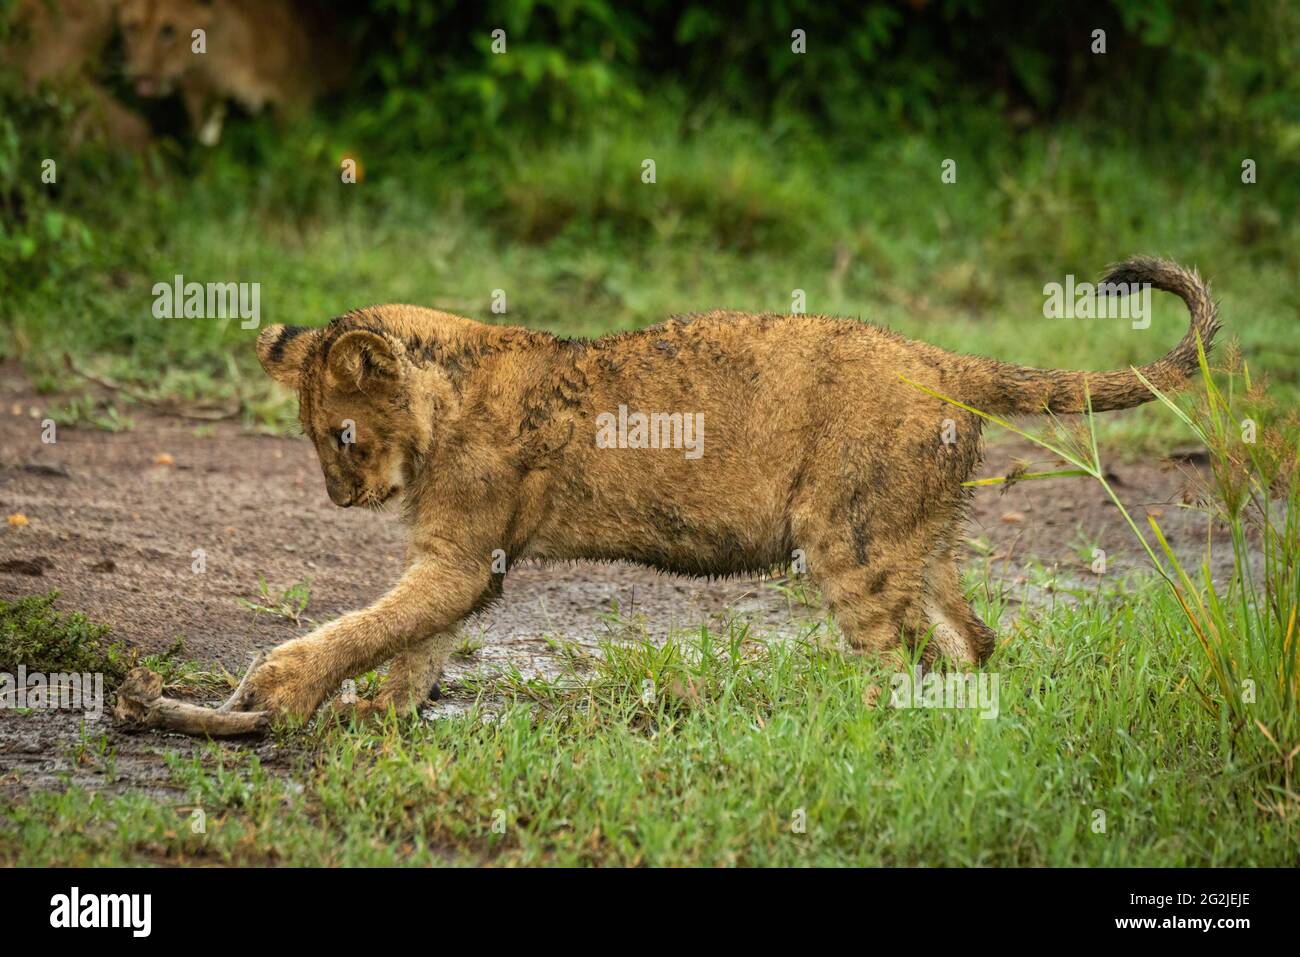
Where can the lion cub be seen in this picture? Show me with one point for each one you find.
(509, 444)
(259, 53)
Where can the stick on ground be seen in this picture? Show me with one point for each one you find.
(142, 706)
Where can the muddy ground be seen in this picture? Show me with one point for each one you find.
(113, 521)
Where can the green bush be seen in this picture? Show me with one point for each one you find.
(34, 635)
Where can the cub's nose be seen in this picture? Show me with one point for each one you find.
(339, 493)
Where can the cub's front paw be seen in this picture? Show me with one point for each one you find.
(286, 685)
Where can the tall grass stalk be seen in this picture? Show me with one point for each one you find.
(1246, 627)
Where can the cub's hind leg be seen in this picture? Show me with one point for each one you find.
(872, 593)
(958, 632)
(414, 673)
(411, 676)
(880, 496)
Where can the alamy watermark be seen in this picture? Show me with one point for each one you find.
(213, 300)
(1104, 300)
(133, 912)
(654, 430)
(69, 691)
(946, 690)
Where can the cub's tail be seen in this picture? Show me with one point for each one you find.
(1004, 387)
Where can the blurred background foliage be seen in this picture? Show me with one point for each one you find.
(775, 171)
(1171, 68)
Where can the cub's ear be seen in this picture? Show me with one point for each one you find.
(363, 361)
(282, 350)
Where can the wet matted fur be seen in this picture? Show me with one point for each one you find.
(814, 446)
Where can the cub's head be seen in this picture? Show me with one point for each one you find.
(365, 406)
(157, 40)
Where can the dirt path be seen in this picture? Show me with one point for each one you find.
(114, 521)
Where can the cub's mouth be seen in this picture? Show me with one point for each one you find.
(377, 500)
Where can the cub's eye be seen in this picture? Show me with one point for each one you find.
(167, 32)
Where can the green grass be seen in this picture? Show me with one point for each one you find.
(183, 676)
(741, 737)
(290, 604)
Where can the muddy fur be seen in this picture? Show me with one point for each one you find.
(815, 449)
